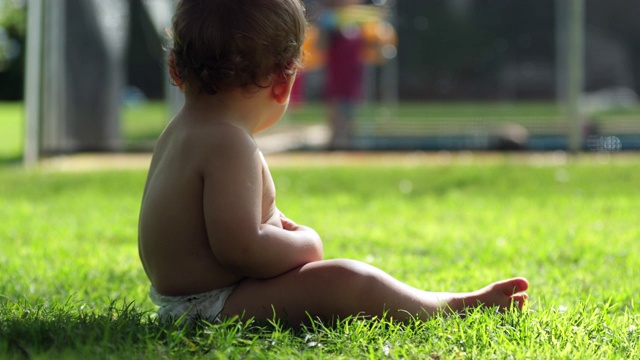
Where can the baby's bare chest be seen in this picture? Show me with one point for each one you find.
(268, 189)
(268, 193)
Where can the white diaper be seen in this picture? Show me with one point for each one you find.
(206, 306)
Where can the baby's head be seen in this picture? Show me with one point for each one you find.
(221, 45)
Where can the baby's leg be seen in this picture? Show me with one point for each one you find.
(340, 288)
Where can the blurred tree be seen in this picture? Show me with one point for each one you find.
(488, 49)
(617, 21)
(13, 24)
(443, 53)
(145, 55)
(435, 47)
(449, 51)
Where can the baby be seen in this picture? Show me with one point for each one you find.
(211, 239)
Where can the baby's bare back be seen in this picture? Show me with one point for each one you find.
(174, 244)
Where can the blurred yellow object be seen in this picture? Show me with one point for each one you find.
(360, 14)
(377, 36)
(314, 55)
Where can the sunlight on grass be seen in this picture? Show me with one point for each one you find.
(11, 130)
(144, 122)
(71, 284)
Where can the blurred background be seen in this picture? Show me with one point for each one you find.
(527, 75)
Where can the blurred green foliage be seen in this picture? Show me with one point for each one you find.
(13, 16)
(480, 50)
(13, 30)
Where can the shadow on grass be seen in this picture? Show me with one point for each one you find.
(28, 332)
(10, 160)
(120, 331)
(123, 331)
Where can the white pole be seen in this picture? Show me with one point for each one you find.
(53, 135)
(33, 83)
(575, 75)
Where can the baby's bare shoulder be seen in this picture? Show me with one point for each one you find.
(207, 138)
(222, 140)
(219, 146)
(201, 145)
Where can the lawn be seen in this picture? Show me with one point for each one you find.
(71, 285)
(11, 131)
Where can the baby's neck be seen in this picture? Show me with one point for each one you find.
(240, 108)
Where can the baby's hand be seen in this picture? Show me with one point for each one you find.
(288, 224)
(304, 231)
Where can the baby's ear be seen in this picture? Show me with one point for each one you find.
(281, 87)
(174, 73)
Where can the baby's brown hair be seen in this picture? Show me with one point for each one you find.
(225, 44)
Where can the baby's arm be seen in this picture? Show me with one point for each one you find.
(290, 225)
(232, 210)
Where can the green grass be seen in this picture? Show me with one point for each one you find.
(143, 123)
(11, 130)
(71, 285)
(140, 126)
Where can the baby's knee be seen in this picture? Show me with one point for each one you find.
(354, 280)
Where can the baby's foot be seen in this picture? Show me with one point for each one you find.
(502, 294)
